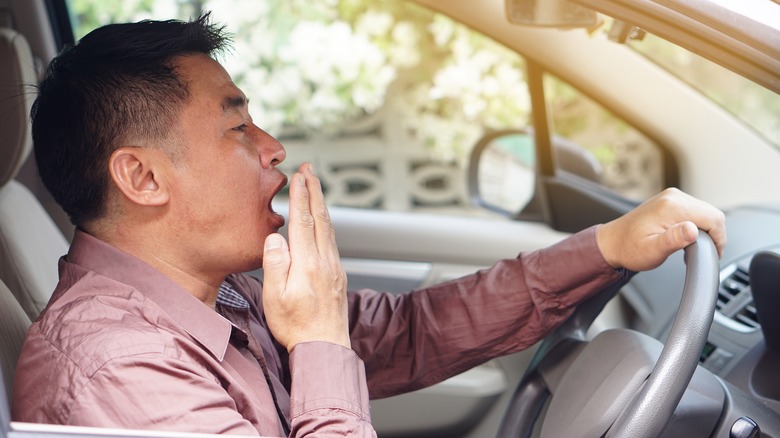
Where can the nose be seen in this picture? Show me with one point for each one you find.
(271, 151)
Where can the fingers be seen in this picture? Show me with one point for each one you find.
(324, 234)
(310, 228)
(707, 218)
(301, 226)
(677, 237)
(719, 238)
(276, 264)
(643, 238)
(694, 214)
(716, 228)
(305, 287)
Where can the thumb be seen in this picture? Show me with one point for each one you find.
(678, 236)
(276, 262)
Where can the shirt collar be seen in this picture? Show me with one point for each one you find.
(228, 296)
(201, 322)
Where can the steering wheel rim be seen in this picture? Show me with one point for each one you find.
(652, 406)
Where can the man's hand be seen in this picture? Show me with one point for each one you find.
(644, 237)
(304, 291)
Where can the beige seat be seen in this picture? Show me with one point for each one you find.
(30, 242)
(13, 328)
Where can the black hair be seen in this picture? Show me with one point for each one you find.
(117, 84)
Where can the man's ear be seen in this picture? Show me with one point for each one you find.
(137, 173)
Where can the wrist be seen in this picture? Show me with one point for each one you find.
(341, 340)
(605, 242)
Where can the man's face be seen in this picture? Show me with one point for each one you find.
(226, 178)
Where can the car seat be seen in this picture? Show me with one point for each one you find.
(14, 323)
(30, 242)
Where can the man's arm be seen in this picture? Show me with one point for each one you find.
(415, 340)
(419, 339)
(157, 393)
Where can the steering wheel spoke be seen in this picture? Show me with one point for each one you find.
(623, 383)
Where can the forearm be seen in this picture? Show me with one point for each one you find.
(416, 340)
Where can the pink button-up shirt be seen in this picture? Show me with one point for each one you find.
(121, 345)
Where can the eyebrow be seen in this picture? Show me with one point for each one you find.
(232, 103)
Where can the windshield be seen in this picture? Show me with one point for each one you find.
(762, 11)
(755, 105)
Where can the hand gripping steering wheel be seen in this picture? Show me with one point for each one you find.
(622, 383)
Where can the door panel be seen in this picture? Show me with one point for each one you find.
(450, 406)
(435, 238)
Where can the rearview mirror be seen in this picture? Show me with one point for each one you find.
(549, 13)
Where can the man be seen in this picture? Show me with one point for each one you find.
(145, 141)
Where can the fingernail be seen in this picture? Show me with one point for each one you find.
(273, 241)
(311, 169)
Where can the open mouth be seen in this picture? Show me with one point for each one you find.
(277, 218)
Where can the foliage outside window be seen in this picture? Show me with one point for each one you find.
(317, 65)
(631, 163)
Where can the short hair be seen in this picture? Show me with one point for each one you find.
(116, 85)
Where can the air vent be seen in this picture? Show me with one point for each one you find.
(734, 299)
(748, 316)
(731, 287)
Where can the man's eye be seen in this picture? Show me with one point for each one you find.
(241, 128)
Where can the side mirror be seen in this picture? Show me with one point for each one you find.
(502, 169)
(550, 13)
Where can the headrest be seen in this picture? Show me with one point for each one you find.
(17, 92)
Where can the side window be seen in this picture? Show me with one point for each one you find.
(631, 163)
(386, 98)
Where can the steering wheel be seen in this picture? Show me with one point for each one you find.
(623, 383)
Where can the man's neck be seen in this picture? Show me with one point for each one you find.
(165, 258)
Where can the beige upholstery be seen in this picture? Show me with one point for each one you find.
(30, 242)
(17, 78)
(30, 247)
(13, 327)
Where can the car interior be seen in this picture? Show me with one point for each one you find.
(702, 328)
